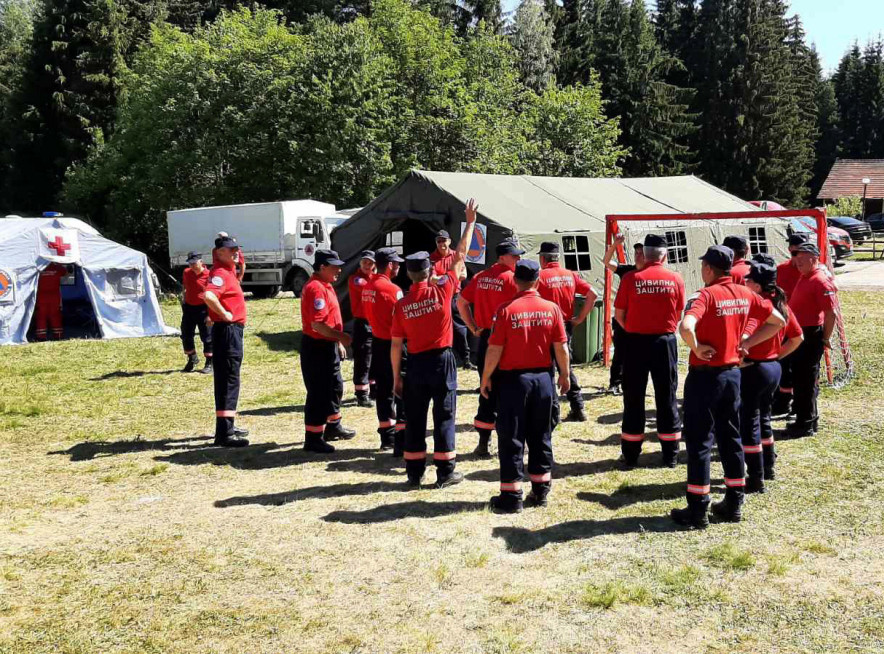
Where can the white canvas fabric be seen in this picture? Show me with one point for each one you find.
(117, 278)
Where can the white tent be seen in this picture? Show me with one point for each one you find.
(111, 287)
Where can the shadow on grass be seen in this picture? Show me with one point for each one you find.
(519, 540)
(91, 449)
(629, 495)
(613, 439)
(314, 492)
(288, 408)
(262, 456)
(576, 468)
(617, 418)
(417, 509)
(126, 374)
(281, 341)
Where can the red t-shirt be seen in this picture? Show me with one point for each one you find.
(770, 349)
(356, 284)
(380, 301)
(526, 327)
(653, 299)
(49, 283)
(487, 291)
(224, 284)
(723, 310)
(423, 316)
(560, 286)
(319, 303)
(787, 277)
(739, 271)
(195, 286)
(813, 295)
(441, 265)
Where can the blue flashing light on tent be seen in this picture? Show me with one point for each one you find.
(51, 214)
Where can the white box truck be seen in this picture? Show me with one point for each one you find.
(277, 238)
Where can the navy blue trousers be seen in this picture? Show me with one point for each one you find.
(227, 339)
(194, 316)
(806, 374)
(389, 408)
(758, 384)
(486, 415)
(361, 355)
(712, 414)
(617, 333)
(321, 370)
(654, 355)
(432, 378)
(525, 404)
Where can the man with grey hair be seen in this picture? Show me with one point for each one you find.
(648, 307)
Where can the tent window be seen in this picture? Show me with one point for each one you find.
(677, 252)
(758, 240)
(125, 283)
(577, 255)
(394, 240)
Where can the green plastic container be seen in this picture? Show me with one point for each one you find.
(587, 343)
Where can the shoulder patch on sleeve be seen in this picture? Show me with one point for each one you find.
(319, 304)
(399, 295)
(217, 280)
(690, 301)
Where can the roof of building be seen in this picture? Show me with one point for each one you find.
(846, 179)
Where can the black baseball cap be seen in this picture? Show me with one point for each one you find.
(367, 254)
(798, 239)
(736, 243)
(508, 246)
(766, 259)
(548, 247)
(385, 255)
(527, 270)
(226, 242)
(326, 258)
(762, 274)
(442, 234)
(655, 241)
(719, 256)
(417, 261)
(810, 248)
(193, 257)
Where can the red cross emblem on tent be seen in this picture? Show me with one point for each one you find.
(59, 246)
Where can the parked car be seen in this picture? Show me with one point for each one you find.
(858, 230)
(876, 222)
(839, 241)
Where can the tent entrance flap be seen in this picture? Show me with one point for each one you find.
(77, 312)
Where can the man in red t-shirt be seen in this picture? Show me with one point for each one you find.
(194, 313)
(740, 247)
(648, 307)
(48, 308)
(617, 333)
(227, 316)
(787, 278)
(561, 287)
(714, 322)
(361, 327)
(814, 301)
(517, 366)
(485, 293)
(423, 319)
(442, 259)
(322, 347)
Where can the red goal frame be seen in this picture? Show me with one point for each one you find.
(612, 228)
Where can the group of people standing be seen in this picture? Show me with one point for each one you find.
(756, 332)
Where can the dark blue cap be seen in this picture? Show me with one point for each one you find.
(762, 274)
(548, 247)
(766, 259)
(509, 246)
(442, 234)
(719, 256)
(367, 254)
(417, 261)
(385, 255)
(798, 239)
(527, 270)
(326, 258)
(655, 241)
(226, 242)
(810, 248)
(193, 257)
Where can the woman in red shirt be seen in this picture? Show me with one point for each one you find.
(760, 377)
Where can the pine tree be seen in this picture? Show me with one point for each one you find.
(474, 12)
(828, 133)
(847, 85)
(532, 36)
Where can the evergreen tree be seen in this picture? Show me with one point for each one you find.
(828, 132)
(847, 86)
(474, 12)
(532, 35)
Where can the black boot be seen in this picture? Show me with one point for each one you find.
(314, 443)
(335, 431)
(207, 369)
(730, 509)
(614, 389)
(388, 438)
(577, 414)
(769, 473)
(669, 455)
(506, 503)
(232, 440)
(755, 485)
(538, 495)
(782, 405)
(450, 479)
(693, 515)
(192, 360)
(482, 450)
(415, 480)
(799, 429)
(240, 431)
(363, 400)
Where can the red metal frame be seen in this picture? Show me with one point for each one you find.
(612, 228)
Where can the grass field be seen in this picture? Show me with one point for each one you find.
(122, 529)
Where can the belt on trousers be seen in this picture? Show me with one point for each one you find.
(714, 368)
(429, 353)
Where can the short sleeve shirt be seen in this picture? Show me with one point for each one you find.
(526, 328)
(423, 316)
(814, 294)
(355, 286)
(561, 286)
(653, 299)
(195, 286)
(739, 271)
(787, 277)
(382, 297)
(225, 286)
(723, 310)
(319, 303)
(487, 291)
(770, 349)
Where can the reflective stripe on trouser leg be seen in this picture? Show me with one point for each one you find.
(432, 378)
(663, 354)
(486, 415)
(321, 371)
(539, 436)
(228, 344)
(758, 384)
(636, 368)
(387, 406)
(703, 392)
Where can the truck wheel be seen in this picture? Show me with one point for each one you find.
(299, 280)
(265, 291)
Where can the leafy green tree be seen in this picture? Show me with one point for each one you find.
(532, 35)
